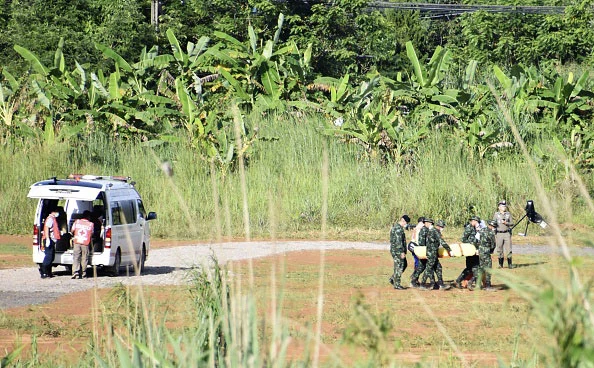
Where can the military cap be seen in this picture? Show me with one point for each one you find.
(492, 223)
(406, 218)
(440, 223)
(502, 202)
(476, 218)
(427, 219)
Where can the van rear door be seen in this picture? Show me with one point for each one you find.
(76, 192)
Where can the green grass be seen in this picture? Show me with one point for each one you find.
(284, 173)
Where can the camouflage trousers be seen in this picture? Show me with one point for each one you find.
(433, 269)
(400, 265)
(418, 270)
(482, 271)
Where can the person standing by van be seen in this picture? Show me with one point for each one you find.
(51, 235)
(82, 233)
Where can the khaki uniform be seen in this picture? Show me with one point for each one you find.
(503, 235)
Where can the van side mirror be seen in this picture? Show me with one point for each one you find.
(151, 216)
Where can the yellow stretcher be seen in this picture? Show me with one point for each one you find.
(458, 250)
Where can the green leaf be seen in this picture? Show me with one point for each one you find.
(230, 39)
(41, 96)
(114, 87)
(49, 134)
(31, 58)
(342, 88)
(503, 79)
(114, 56)
(14, 85)
(59, 56)
(270, 82)
(253, 40)
(267, 51)
(235, 84)
(185, 100)
(417, 67)
(177, 50)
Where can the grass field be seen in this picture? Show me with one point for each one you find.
(363, 321)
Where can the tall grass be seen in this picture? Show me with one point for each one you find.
(285, 168)
(291, 184)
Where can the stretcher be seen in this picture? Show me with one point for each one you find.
(458, 250)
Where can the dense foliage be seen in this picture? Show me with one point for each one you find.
(72, 68)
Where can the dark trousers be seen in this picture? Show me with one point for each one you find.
(50, 252)
(471, 262)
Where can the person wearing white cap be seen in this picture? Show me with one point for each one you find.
(503, 233)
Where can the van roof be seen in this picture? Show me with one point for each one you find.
(82, 187)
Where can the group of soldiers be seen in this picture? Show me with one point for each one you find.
(496, 233)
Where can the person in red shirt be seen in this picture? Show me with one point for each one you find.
(82, 233)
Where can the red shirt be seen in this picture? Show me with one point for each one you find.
(83, 231)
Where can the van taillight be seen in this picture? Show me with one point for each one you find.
(35, 236)
(108, 237)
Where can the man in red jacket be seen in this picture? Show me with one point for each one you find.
(82, 231)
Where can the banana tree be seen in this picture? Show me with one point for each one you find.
(426, 85)
(262, 75)
(137, 98)
(56, 95)
(9, 96)
(568, 100)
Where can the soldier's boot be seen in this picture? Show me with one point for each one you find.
(398, 287)
(509, 263)
(472, 284)
(414, 283)
(488, 286)
(500, 262)
(458, 283)
(443, 286)
(426, 287)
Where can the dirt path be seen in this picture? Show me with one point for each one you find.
(169, 266)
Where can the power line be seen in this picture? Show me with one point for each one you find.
(456, 9)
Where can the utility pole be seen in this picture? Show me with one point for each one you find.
(155, 9)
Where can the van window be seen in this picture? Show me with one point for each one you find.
(116, 213)
(141, 208)
(123, 212)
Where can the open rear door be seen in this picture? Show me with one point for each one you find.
(81, 193)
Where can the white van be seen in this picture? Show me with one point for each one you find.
(121, 236)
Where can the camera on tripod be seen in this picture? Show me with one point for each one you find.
(532, 216)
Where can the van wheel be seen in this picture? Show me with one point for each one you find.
(68, 269)
(142, 260)
(115, 269)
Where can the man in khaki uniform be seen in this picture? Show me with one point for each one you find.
(503, 233)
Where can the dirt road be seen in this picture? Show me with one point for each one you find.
(169, 266)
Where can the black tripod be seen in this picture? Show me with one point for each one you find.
(532, 216)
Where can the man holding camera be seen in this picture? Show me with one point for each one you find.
(503, 233)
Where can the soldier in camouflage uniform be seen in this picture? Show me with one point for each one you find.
(503, 233)
(398, 250)
(485, 249)
(422, 241)
(434, 240)
(469, 236)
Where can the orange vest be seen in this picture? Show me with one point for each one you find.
(83, 231)
(55, 230)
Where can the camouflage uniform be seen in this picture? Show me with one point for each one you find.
(397, 247)
(469, 236)
(434, 240)
(422, 238)
(485, 248)
(503, 236)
